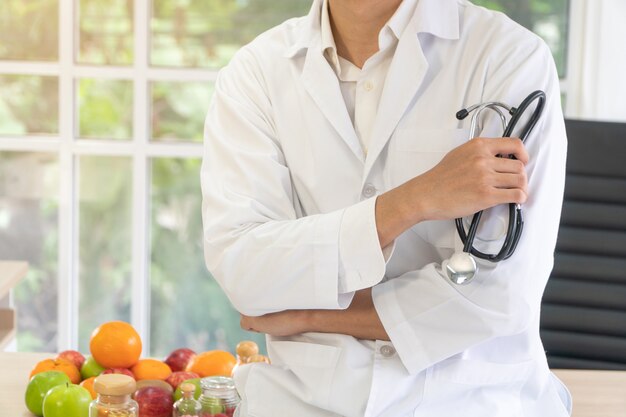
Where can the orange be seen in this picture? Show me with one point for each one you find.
(115, 344)
(88, 385)
(61, 365)
(151, 369)
(212, 363)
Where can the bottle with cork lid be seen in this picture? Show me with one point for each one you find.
(114, 397)
(187, 406)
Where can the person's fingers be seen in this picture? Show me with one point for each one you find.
(508, 166)
(505, 146)
(511, 181)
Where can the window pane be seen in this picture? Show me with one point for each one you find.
(548, 18)
(29, 232)
(188, 308)
(105, 109)
(201, 33)
(28, 104)
(179, 109)
(105, 236)
(106, 32)
(29, 30)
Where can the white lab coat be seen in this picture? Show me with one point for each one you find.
(289, 222)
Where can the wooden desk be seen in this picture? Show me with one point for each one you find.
(10, 274)
(596, 393)
(14, 370)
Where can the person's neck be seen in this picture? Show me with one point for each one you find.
(356, 25)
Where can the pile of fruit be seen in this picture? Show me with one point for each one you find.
(63, 386)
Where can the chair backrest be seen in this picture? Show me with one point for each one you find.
(583, 321)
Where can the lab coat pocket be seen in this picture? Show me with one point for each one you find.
(482, 388)
(312, 364)
(413, 152)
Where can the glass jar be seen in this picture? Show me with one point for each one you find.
(113, 400)
(219, 396)
(187, 406)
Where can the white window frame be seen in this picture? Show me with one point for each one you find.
(67, 145)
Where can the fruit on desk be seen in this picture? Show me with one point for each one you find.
(66, 400)
(178, 394)
(178, 378)
(58, 365)
(39, 385)
(179, 358)
(91, 368)
(73, 356)
(122, 371)
(151, 369)
(154, 383)
(212, 363)
(88, 385)
(115, 344)
(154, 402)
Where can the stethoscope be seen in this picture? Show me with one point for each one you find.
(461, 267)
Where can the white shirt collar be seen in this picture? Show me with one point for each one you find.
(388, 35)
(437, 17)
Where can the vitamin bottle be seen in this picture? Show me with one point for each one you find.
(113, 397)
(187, 406)
(219, 397)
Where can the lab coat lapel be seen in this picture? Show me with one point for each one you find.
(322, 84)
(406, 73)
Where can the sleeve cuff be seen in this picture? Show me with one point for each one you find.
(362, 262)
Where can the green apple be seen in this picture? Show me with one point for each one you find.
(67, 400)
(90, 368)
(39, 385)
(196, 381)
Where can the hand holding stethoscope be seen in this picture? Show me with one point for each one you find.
(461, 268)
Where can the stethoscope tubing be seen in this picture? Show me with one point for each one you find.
(516, 222)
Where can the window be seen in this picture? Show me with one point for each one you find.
(101, 120)
(547, 18)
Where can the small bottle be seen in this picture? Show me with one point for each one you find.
(187, 406)
(113, 400)
(245, 349)
(219, 397)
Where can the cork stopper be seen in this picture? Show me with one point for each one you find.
(246, 349)
(114, 385)
(187, 387)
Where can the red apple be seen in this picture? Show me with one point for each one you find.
(178, 359)
(176, 378)
(154, 402)
(72, 356)
(122, 371)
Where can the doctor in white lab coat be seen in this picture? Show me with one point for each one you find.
(333, 169)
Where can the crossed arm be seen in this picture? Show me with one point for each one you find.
(469, 178)
(359, 320)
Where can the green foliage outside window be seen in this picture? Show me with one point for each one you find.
(28, 30)
(548, 18)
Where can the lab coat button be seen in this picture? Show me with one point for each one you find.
(369, 190)
(368, 86)
(387, 351)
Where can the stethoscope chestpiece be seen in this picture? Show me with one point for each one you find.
(461, 268)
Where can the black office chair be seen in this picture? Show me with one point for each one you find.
(583, 321)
